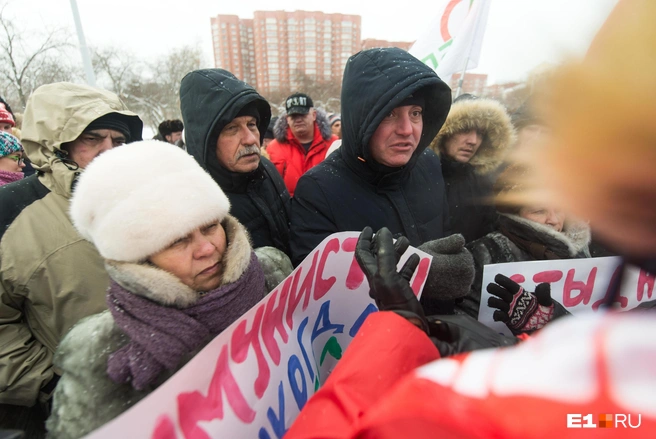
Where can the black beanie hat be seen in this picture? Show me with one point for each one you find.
(249, 109)
(111, 121)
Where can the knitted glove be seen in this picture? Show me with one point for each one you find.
(521, 310)
(455, 334)
(390, 289)
(450, 276)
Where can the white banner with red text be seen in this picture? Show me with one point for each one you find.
(580, 285)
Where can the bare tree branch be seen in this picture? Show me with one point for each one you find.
(21, 67)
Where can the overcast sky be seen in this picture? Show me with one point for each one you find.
(520, 34)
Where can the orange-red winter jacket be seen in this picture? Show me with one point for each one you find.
(289, 156)
(581, 377)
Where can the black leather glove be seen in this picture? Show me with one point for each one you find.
(390, 289)
(521, 310)
(455, 334)
(452, 268)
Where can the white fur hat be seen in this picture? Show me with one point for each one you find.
(135, 200)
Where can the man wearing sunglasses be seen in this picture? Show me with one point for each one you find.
(49, 275)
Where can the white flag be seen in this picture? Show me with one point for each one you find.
(455, 37)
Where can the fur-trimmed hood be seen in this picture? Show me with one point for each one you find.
(575, 236)
(162, 287)
(486, 116)
(280, 128)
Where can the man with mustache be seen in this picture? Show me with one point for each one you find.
(472, 145)
(225, 120)
(302, 138)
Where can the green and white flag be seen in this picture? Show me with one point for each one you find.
(455, 37)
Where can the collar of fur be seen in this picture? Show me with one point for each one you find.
(573, 239)
(280, 128)
(162, 287)
(486, 116)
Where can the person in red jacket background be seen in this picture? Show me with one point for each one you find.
(302, 137)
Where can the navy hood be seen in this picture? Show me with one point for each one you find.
(375, 82)
(209, 100)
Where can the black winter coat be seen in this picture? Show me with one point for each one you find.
(349, 190)
(209, 100)
(470, 211)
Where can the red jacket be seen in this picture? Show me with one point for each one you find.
(289, 156)
(578, 371)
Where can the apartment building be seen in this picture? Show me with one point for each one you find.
(371, 43)
(273, 48)
(474, 83)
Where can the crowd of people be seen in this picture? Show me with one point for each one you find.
(119, 263)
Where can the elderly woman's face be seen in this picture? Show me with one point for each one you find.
(553, 218)
(197, 258)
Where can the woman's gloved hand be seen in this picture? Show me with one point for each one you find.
(377, 256)
(521, 310)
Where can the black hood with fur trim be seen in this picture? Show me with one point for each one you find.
(485, 116)
(280, 128)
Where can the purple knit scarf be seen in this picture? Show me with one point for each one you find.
(7, 177)
(160, 335)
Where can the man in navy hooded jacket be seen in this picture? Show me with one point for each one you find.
(383, 175)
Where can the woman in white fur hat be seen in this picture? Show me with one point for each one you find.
(182, 270)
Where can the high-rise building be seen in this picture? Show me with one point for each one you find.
(271, 50)
(473, 83)
(370, 43)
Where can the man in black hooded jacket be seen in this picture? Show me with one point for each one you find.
(382, 176)
(212, 101)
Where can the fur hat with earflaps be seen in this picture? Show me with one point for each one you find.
(136, 200)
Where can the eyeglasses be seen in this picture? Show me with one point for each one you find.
(16, 158)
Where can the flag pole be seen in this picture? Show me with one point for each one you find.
(84, 50)
(471, 47)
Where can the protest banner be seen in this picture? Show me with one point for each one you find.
(254, 378)
(580, 285)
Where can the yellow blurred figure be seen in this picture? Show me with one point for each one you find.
(601, 160)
